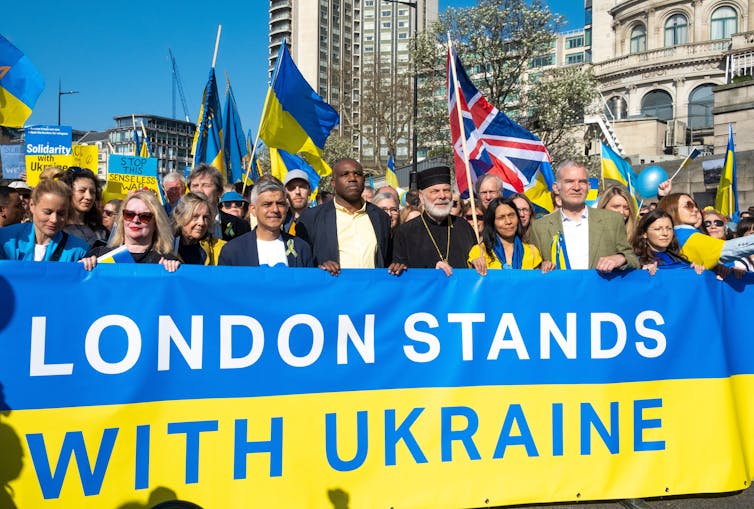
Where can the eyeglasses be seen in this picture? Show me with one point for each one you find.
(716, 222)
(690, 205)
(144, 217)
(231, 204)
(390, 210)
(109, 213)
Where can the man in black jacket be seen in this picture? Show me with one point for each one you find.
(347, 232)
(207, 180)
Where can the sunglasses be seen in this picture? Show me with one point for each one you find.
(109, 213)
(455, 203)
(690, 205)
(144, 217)
(716, 222)
(469, 217)
(231, 204)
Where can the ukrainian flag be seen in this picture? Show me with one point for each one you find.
(235, 143)
(697, 247)
(616, 168)
(390, 176)
(295, 118)
(281, 162)
(118, 255)
(20, 85)
(208, 139)
(726, 199)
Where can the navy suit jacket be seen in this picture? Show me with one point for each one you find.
(319, 228)
(232, 226)
(242, 251)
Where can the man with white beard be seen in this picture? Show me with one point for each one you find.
(435, 239)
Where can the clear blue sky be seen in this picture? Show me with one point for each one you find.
(116, 55)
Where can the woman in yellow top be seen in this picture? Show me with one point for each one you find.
(503, 247)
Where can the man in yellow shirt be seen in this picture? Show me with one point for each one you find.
(347, 232)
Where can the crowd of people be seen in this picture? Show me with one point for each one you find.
(203, 221)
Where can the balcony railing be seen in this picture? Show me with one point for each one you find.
(663, 55)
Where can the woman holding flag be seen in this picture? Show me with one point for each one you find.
(144, 230)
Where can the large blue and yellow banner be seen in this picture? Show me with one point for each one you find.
(297, 389)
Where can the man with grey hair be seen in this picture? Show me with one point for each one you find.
(174, 186)
(489, 187)
(208, 180)
(579, 237)
(267, 244)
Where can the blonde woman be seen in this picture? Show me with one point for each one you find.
(617, 199)
(143, 227)
(193, 224)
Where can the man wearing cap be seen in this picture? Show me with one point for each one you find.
(234, 204)
(347, 232)
(266, 244)
(436, 239)
(11, 206)
(297, 191)
(24, 191)
(207, 179)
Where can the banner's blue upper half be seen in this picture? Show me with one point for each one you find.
(705, 327)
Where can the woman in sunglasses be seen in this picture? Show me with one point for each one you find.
(144, 229)
(696, 246)
(193, 224)
(84, 217)
(713, 223)
(42, 239)
(655, 244)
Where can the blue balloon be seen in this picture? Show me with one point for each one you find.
(649, 181)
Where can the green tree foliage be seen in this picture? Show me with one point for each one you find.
(497, 41)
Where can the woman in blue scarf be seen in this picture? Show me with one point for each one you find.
(503, 247)
(656, 245)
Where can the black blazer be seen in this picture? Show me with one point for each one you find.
(232, 226)
(318, 227)
(242, 251)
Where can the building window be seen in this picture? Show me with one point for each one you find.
(638, 39)
(574, 58)
(540, 61)
(724, 23)
(701, 102)
(658, 104)
(387, 13)
(575, 42)
(676, 30)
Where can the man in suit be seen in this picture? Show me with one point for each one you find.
(579, 237)
(207, 180)
(347, 232)
(267, 244)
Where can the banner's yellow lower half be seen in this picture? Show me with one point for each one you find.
(434, 448)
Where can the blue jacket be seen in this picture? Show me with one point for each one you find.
(17, 243)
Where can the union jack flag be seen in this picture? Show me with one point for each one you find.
(496, 144)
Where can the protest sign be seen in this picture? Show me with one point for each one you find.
(129, 173)
(45, 146)
(12, 157)
(559, 387)
(85, 156)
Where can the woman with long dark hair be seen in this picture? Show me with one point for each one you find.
(655, 244)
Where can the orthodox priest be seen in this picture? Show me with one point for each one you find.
(435, 239)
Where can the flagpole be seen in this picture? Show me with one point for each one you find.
(463, 140)
(682, 166)
(261, 118)
(217, 45)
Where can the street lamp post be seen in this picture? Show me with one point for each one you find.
(412, 185)
(61, 94)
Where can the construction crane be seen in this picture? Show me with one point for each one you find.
(177, 84)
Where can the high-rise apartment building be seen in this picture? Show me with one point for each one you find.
(341, 48)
